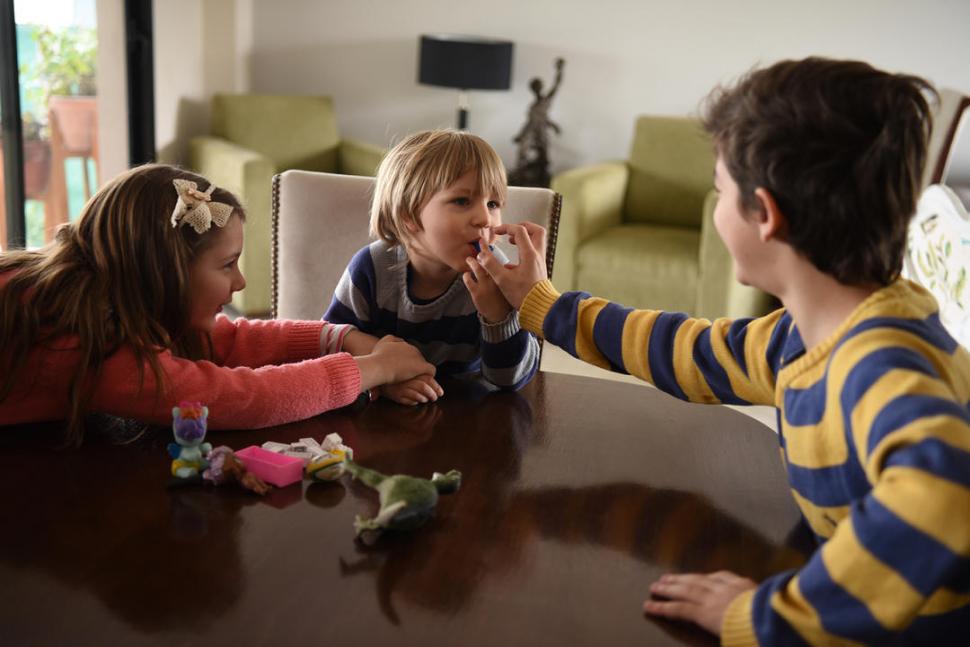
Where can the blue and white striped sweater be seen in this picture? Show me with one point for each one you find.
(372, 295)
(875, 435)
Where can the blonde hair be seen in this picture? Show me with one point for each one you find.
(421, 165)
(118, 276)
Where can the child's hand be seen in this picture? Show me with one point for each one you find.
(417, 390)
(391, 360)
(702, 599)
(515, 281)
(488, 299)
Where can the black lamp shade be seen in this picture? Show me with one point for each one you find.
(465, 62)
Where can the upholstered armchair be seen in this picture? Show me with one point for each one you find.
(641, 231)
(254, 137)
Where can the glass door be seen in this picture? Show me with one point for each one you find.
(56, 52)
(57, 48)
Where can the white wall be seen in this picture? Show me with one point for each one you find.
(623, 58)
(112, 90)
(201, 47)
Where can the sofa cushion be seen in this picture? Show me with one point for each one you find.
(630, 262)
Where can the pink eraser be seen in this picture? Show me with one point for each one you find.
(273, 468)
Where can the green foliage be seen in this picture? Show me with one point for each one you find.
(66, 65)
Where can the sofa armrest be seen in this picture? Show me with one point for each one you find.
(718, 292)
(229, 165)
(359, 158)
(592, 201)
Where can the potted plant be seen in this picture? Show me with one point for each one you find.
(62, 80)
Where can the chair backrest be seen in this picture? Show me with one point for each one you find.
(293, 131)
(321, 219)
(671, 165)
(950, 117)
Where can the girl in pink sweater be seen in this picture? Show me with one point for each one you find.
(120, 315)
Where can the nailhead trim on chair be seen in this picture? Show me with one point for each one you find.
(274, 289)
(553, 234)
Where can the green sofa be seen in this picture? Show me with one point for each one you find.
(641, 232)
(253, 138)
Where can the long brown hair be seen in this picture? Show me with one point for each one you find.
(118, 276)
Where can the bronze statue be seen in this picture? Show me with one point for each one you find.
(532, 164)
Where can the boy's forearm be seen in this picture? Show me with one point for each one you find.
(536, 306)
(511, 363)
(659, 347)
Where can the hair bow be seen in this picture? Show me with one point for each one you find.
(197, 208)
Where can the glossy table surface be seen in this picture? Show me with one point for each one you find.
(577, 493)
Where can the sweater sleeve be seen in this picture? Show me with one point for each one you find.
(901, 556)
(259, 342)
(238, 397)
(510, 355)
(730, 362)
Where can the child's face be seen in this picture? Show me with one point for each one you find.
(214, 274)
(739, 233)
(452, 222)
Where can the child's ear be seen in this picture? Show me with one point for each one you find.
(772, 223)
(411, 224)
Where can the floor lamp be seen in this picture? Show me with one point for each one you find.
(466, 63)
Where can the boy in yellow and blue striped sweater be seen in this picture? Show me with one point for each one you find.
(818, 170)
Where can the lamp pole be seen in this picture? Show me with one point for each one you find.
(463, 106)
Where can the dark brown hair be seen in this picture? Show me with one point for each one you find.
(118, 276)
(840, 146)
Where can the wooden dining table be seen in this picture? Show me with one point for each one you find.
(577, 493)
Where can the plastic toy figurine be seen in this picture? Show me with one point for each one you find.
(406, 501)
(188, 450)
(196, 461)
(329, 464)
(226, 467)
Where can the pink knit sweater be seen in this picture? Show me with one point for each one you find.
(272, 374)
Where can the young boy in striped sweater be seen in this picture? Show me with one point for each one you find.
(818, 171)
(437, 194)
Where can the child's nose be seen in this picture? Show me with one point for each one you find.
(480, 216)
(240, 282)
(484, 216)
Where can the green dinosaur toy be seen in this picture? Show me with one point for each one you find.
(406, 501)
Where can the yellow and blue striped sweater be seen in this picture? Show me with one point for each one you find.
(874, 425)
